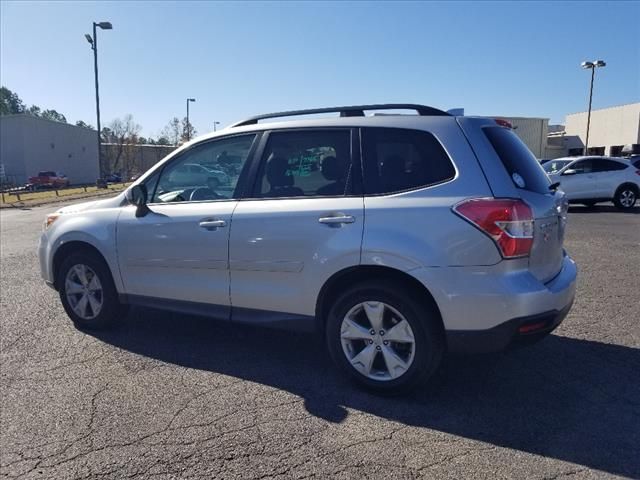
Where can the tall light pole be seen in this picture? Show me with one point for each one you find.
(592, 66)
(214, 125)
(188, 124)
(94, 46)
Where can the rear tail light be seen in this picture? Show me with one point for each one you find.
(509, 222)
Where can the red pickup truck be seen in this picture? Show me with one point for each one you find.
(49, 179)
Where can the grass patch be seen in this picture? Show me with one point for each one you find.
(52, 195)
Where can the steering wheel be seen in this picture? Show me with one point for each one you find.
(204, 193)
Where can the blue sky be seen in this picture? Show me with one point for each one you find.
(240, 59)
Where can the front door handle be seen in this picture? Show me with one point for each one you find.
(337, 220)
(212, 224)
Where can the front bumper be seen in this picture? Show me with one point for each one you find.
(44, 258)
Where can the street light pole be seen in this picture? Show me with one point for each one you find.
(188, 124)
(592, 66)
(214, 125)
(94, 46)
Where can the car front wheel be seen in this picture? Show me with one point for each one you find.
(384, 339)
(87, 292)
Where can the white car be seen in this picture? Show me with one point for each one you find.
(193, 174)
(589, 180)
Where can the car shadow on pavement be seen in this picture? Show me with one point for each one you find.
(565, 398)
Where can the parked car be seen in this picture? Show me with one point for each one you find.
(113, 178)
(635, 160)
(417, 235)
(590, 180)
(49, 179)
(193, 174)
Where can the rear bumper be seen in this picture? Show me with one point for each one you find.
(484, 308)
(519, 331)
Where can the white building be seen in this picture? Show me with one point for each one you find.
(610, 130)
(30, 144)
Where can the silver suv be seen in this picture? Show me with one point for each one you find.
(395, 237)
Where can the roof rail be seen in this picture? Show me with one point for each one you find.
(349, 111)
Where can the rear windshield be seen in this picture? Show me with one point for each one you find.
(523, 167)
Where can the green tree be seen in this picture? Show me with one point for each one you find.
(10, 103)
(34, 110)
(162, 141)
(53, 115)
(83, 124)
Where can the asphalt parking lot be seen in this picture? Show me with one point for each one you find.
(169, 396)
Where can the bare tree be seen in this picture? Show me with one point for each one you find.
(173, 131)
(188, 130)
(124, 134)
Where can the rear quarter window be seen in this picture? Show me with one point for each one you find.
(398, 159)
(523, 167)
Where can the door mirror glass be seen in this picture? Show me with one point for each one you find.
(569, 171)
(137, 195)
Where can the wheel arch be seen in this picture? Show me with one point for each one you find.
(74, 246)
(352, 275)
(627, 184)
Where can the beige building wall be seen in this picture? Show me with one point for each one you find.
(614, 126)
(533, 132)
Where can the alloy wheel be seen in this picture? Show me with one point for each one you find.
(377, 340)
(84, 291)
(627, 198)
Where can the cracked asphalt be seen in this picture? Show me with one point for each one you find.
(174, 396)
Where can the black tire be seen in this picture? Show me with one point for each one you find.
(625, 197)
(111, 312)
(429, 342)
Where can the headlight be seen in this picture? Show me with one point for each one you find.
(52, 217)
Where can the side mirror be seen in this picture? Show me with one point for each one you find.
(569, 171)
(137, 195)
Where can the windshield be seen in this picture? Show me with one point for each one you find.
(554, 166)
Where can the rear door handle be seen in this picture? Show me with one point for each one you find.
(212, 224)
(337, 220)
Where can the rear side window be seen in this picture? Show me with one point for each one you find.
(608, 166)
(522, 166)
(398, 159)
(306, 163)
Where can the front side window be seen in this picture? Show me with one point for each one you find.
(397, 159)
(582, 166)
(208, 171)
(305, 163)
(554, 166)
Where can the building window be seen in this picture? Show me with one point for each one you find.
(575, 152)
(616, 150)
(596, 151)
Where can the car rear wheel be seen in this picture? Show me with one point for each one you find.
(87, 292)
(383, 339)
(625, 197)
